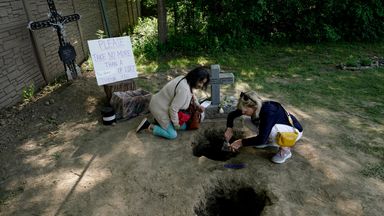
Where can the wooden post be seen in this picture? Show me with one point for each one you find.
(126, 85)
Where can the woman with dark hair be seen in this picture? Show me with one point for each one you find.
(176, 95)
(266, 118)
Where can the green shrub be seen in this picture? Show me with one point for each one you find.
(365, 62)
(87, 65)
(352, 61)
(144, 37)
(330, 33)
(100, 34)
(28, 92)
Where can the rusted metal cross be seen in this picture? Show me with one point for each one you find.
(66, 52)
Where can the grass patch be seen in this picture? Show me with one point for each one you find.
(6, 195)
(56, 156)
(374, 170)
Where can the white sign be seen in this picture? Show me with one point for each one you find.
(112, 59)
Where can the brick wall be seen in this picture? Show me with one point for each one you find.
(122, 11)
(110, 7)
(18, 64)
(30, 57)
(91, 20)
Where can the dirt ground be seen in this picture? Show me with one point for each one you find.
(58, 159)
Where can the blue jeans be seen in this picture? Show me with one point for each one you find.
(169, 133)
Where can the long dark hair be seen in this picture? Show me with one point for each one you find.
(196, 75)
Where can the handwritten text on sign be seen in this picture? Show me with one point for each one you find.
(113, 59)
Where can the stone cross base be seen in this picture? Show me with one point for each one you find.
(213, 111)
(222, 110)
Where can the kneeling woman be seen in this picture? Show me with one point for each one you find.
(176, 95)
(268, 118)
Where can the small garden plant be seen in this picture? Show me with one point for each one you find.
(28, 92)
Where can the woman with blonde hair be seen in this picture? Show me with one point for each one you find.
(268, 118)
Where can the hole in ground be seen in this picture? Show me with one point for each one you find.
(209, 142)
(241, 201)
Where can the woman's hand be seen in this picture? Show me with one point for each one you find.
(228, 134)
(236, 145)
(177, 126)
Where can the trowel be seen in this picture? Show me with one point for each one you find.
(226, 146)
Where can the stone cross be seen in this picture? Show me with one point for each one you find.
(218, 79)
(66, 52)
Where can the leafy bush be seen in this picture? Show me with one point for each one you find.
(351, 63)
(330, 33)
(100, 34)
(365, 62)
(144, 37)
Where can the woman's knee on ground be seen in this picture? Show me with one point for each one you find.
(172, 134)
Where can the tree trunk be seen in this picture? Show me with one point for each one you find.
(162, 22)
(176, 17)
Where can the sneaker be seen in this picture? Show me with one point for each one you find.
(143, 125)
(266, 145)
(281, 156)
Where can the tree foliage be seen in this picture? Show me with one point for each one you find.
(200, 24)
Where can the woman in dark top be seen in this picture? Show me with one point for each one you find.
(268, 117)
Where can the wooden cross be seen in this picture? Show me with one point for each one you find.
(66, 52)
